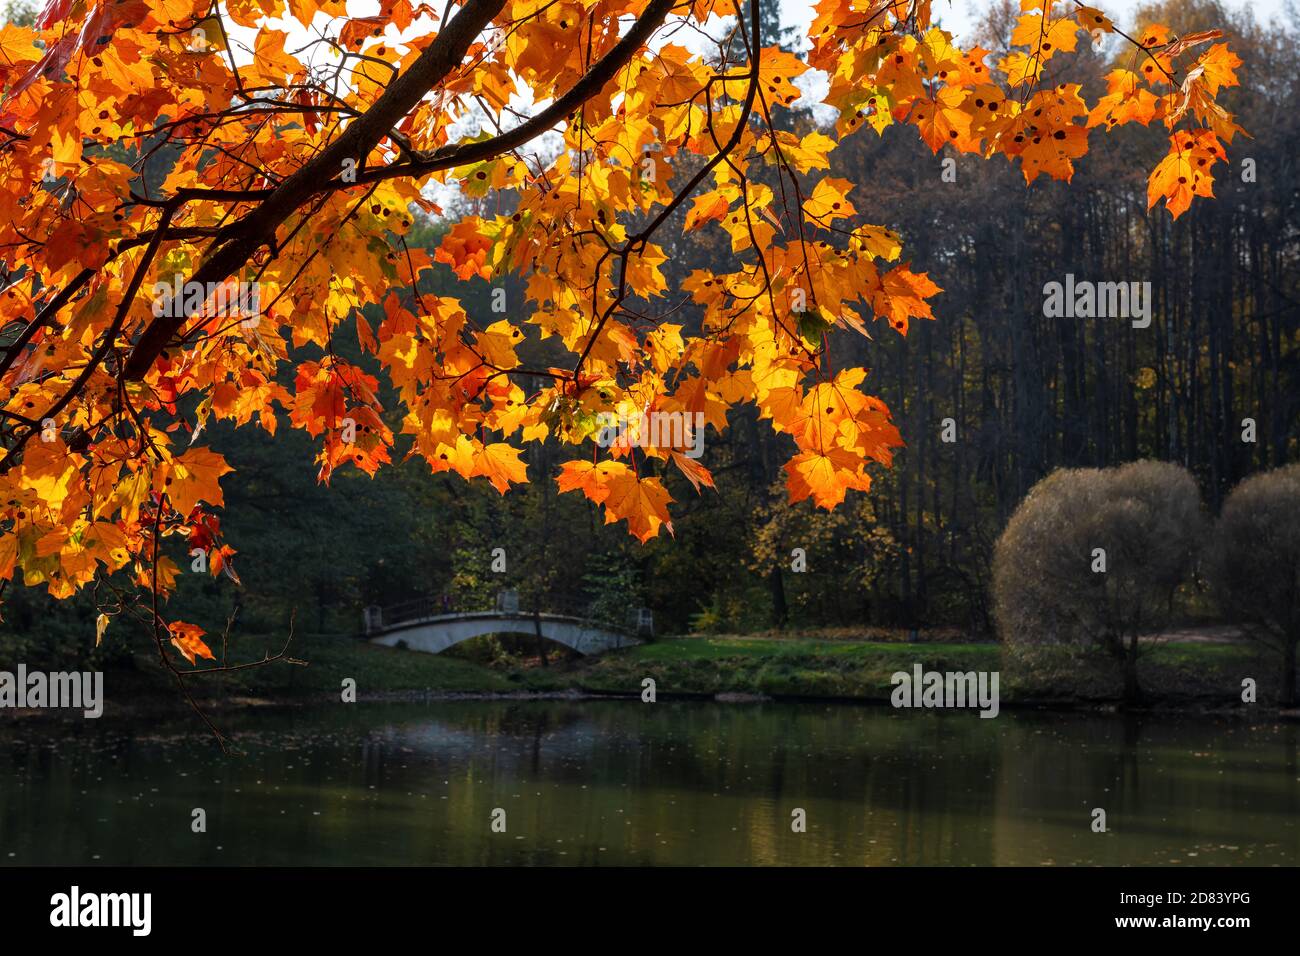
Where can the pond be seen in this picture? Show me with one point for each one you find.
(682, 783)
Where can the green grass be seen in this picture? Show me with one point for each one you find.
(375, 668)
(794, 667)
(1198, 673)
(329, 660)
(1170, 673)
(717, 648)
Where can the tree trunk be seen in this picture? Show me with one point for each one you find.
(537, 629)
(1132, 692)
(780, 610)
(1288, 672)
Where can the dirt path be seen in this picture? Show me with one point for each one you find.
(1219, 634)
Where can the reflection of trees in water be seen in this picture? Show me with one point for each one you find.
(502, 718)
(746, 748)
(745, 766)
(669, 783)
(1289, 734)
(1168, 784)
(1127, 766)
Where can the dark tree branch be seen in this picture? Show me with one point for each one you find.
(257, 228)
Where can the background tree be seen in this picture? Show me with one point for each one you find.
(1254, 565)
(1093, 557)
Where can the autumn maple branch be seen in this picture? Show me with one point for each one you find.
(639, 240)
(318, 175)
(258, 227)
(592, 82)
(110, 335)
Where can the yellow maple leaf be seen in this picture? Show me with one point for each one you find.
(191, 478)
(500, 464)
(642, 502)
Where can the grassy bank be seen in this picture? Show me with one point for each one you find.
(1173, 673)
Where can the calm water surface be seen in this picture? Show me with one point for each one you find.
(615, 782)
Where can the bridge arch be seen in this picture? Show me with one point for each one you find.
(435, 634)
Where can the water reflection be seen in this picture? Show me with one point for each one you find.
(605, 782)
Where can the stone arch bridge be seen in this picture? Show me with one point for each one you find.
(423, 625)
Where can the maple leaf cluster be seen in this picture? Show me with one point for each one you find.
(152, 142)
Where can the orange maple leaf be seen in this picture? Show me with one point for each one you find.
(465, 249)
(188, 639)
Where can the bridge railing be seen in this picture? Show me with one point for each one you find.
(638, 620)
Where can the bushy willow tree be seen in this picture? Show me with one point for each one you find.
(200, 193)
(1254, 565)
(1093, 557)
